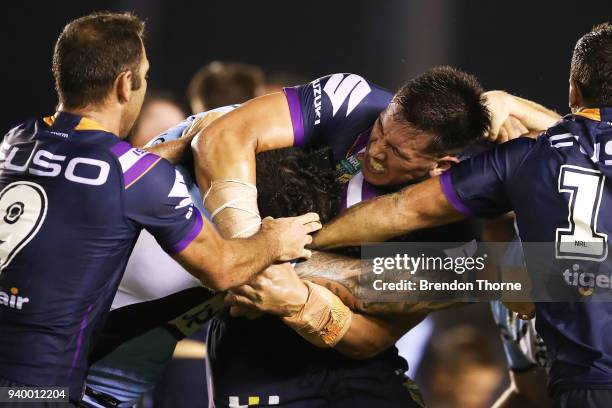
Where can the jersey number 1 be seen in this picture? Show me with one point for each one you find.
(581, 240)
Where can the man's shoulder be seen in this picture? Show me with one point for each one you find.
(136, 163)
(345, 95)
(25, 131)
(334, 109)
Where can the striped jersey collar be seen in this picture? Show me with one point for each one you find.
(596, 114)
(63, 124)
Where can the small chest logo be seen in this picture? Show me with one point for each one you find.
(12, 299)
(349, 167)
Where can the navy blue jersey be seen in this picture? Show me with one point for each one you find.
(74, 199)
(266, 359)
(559, 189)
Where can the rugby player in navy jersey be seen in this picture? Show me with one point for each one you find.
(379, 142)
(74, 197)
(558, 185)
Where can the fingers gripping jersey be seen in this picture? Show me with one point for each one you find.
(179, 130)
(74, 198)
(559, 188)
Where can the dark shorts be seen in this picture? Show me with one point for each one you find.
(332, 388)
(265, 363)
(583, 399)
(9, 383)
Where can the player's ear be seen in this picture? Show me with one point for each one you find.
(575, 95)
(123, 86)
(443, 164)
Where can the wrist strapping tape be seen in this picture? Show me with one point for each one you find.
(233, 208)
(323, 320)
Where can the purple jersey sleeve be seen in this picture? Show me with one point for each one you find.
(478, 186)
(330, 109)
(160, 202)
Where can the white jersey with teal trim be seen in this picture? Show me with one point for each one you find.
(523, 346)
(154, 288)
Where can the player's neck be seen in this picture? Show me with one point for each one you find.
(108, 118)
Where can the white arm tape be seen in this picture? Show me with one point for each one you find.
(233, 195)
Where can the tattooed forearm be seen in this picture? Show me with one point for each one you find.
(335, 268)
(341, 275)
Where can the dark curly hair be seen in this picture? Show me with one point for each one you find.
(291, 182)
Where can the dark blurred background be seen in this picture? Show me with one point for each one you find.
(521, 46)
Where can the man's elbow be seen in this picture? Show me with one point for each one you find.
(217, 284)
(215, 280)
(216, 142)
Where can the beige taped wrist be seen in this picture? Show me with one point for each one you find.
(232, 205)
(323, 320)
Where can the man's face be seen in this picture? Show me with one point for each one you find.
(132, 109)
(397, 152)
